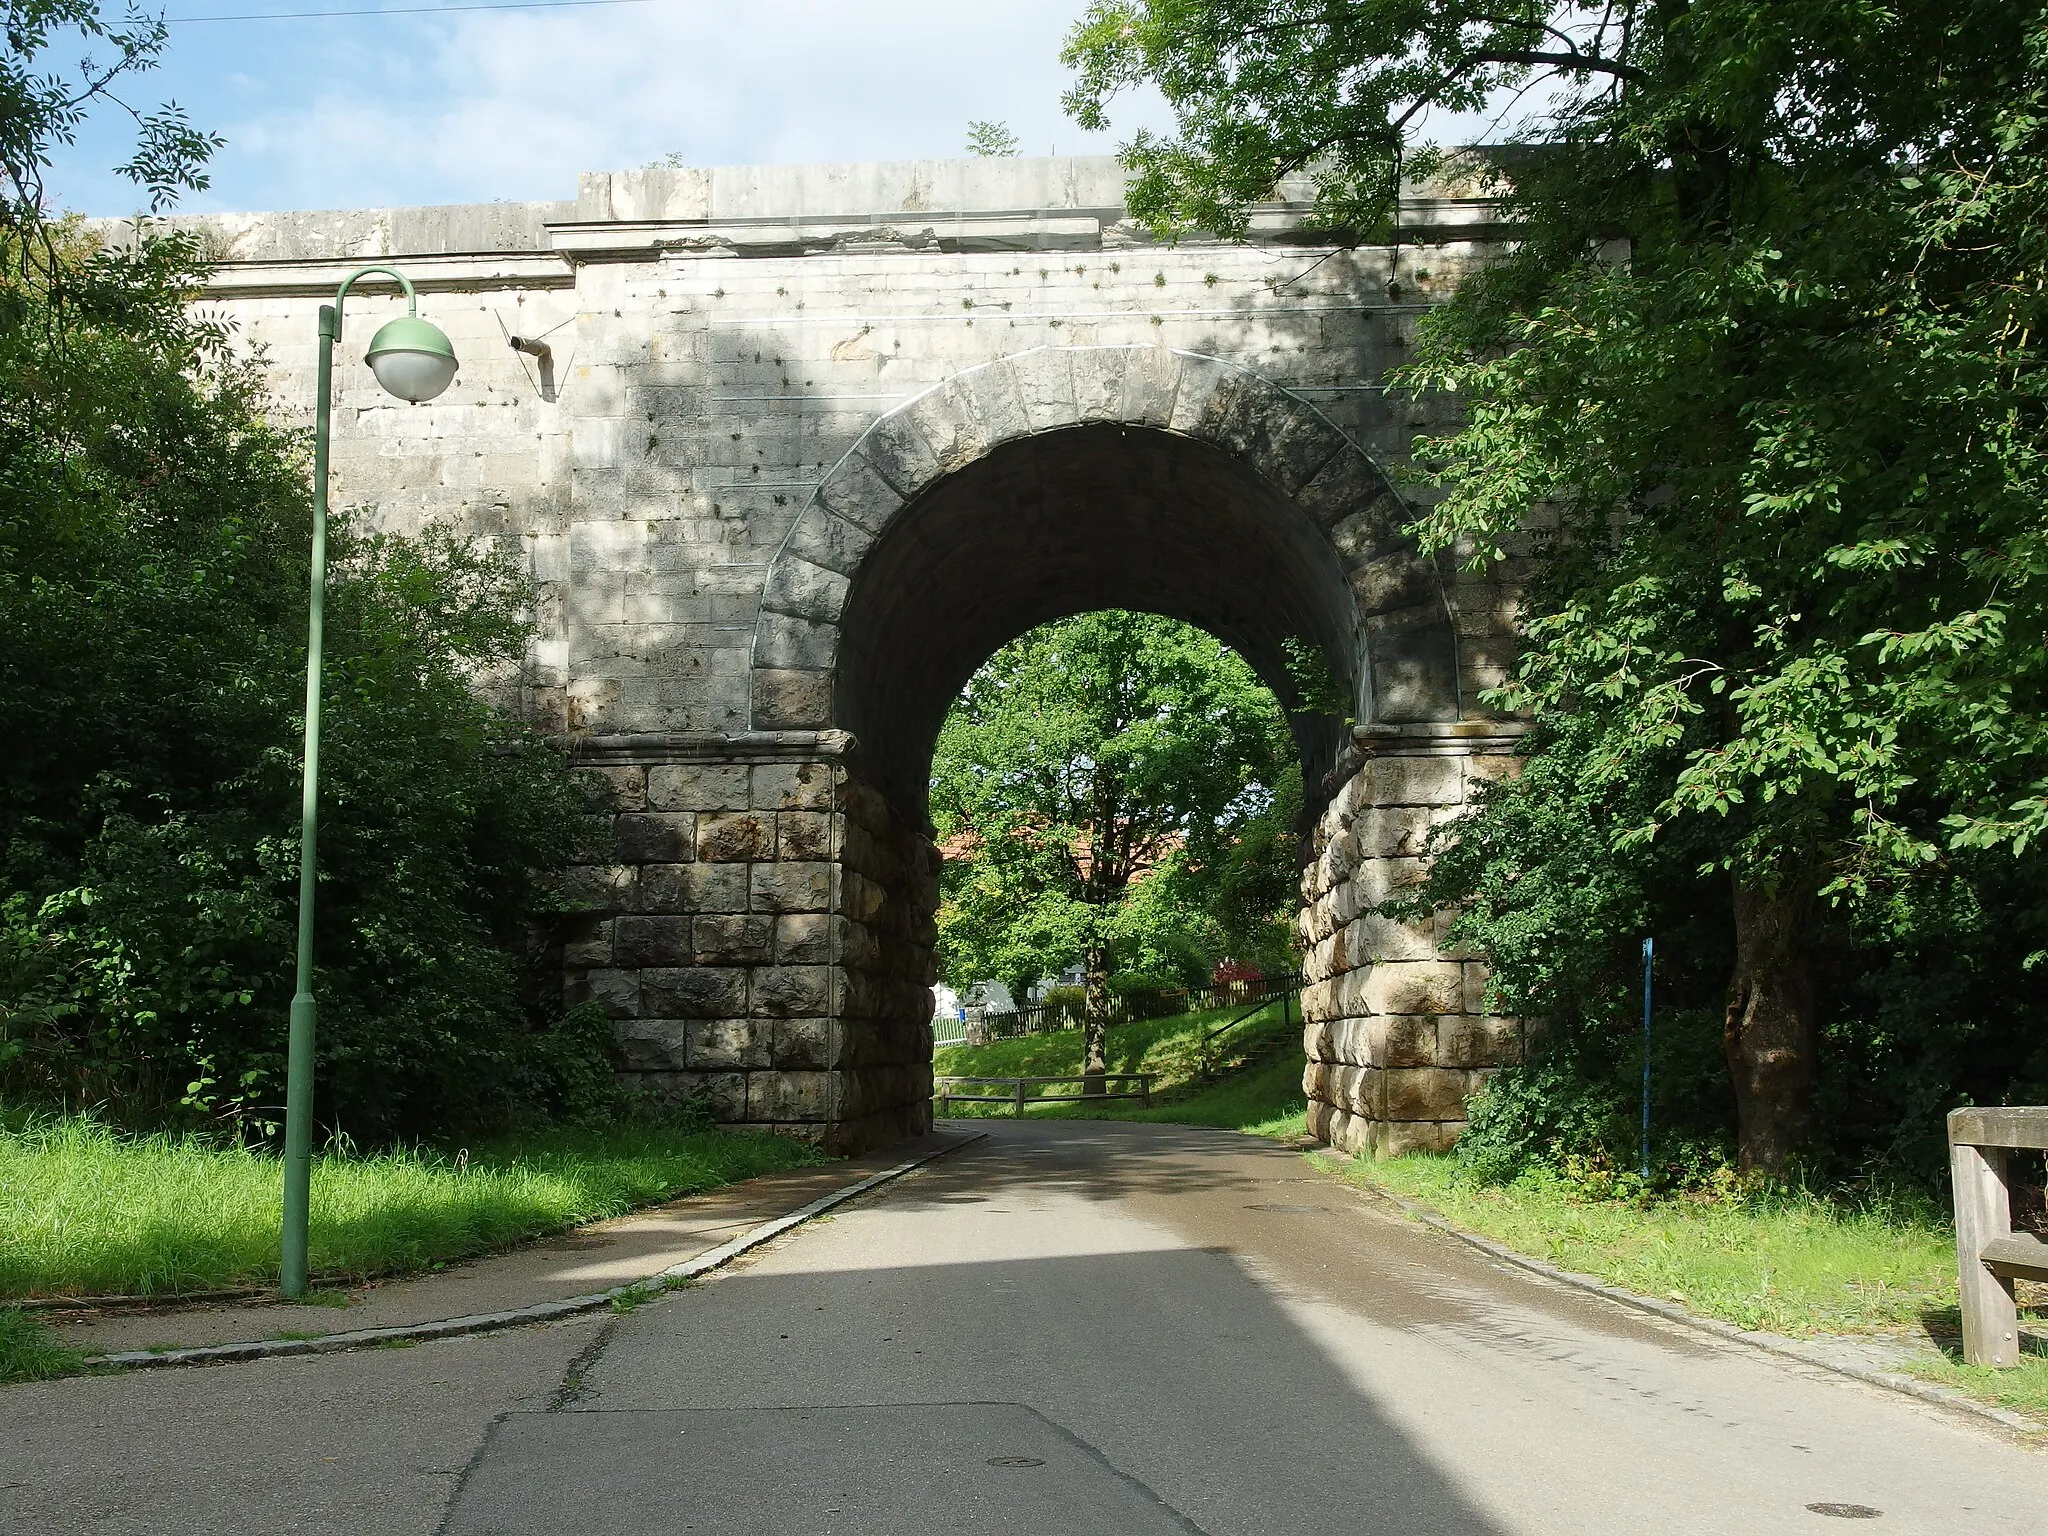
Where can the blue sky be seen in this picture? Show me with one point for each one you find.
(475, 106)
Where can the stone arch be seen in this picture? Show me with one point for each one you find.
(1324, 525)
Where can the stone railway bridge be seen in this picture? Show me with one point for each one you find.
(805, 446)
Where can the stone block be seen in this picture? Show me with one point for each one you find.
(1489, 768)
(803, 590)
(652, 1045)
(693, 992)
(731, 940)
(806, 1045)
(1399, 1138)
(1372, 940)
(1151, 378)
(645, 941)
(1477, 973)
(1044, 388)
(900, 454)
(792, 787)
(1425, 1093)
(783, 641)
(795, 991)
(786, 1097)
(628, 786)
(600, 887)
(1415, 781)
(1487, 1041)
(694, 888)
(862, 898)
(824, 538)
(993, 389)
(1414, 987)
(791, 887)
(698, 787)
(1378, 880)
(1394, 831)
(1402, 1040)
(716, 1043)
(803, 835)
(588, 944)
(805, 938)
(790, 700)
(655, 837)
(735, 836)
(616, 992)
(1397, 579)
(859, 494)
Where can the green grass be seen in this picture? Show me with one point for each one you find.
(1793, 1264)
(28, 1352)
(86, 1210)
(1264, 1099)
(2024, 1388)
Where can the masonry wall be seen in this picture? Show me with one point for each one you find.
(1396, 1030)
(716, 342)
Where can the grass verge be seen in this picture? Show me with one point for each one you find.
(1792, 1264)
(1197, 1084)
(87, 1210)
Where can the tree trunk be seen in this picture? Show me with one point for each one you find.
(1095, 1020)
(1770, 1035)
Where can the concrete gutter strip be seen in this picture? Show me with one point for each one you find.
(1791, 1349)
(540, 1312)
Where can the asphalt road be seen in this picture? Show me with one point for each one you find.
(1067, 1328)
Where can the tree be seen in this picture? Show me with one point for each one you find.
(991, 141)
(1086, 770)
(1758, 384)
(154, 526)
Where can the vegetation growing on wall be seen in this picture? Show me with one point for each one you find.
(1759, 387)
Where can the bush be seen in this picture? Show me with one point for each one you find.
(153, 537)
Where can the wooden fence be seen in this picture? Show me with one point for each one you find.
(945, 1098)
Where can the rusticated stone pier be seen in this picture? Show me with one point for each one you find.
(1395, 1023)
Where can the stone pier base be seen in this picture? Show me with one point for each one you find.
(761, 934)
(1396, 1030)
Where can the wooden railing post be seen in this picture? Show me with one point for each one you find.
(1991, 1319)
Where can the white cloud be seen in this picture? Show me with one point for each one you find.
(476, 106)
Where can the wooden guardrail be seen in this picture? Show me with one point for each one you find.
(1989, 1254)
(943, 1086)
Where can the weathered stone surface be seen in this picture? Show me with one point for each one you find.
(792, 887)
(735, 836)
(644, 941)
(693, 992)
(1414, 986)
(732, 940)
(655, 837)
(653, 1045)
(617, 992)
(792, 787)
(698, 786)
(694, 888)
(716, 1043)
(1425, 1093)
(795, 991)
(803, 835)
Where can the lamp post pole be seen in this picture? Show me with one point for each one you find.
(412, 360)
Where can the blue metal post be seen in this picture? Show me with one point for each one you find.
(1649, 949)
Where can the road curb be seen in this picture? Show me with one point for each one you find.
(540, 1312)
(1769, 1343)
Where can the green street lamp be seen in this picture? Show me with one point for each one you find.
(412, 360)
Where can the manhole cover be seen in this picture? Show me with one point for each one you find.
(1016, 1461)
(1846, 1511)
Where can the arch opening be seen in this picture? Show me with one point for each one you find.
(1090, 517)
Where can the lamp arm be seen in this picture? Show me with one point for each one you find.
(412, 299)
